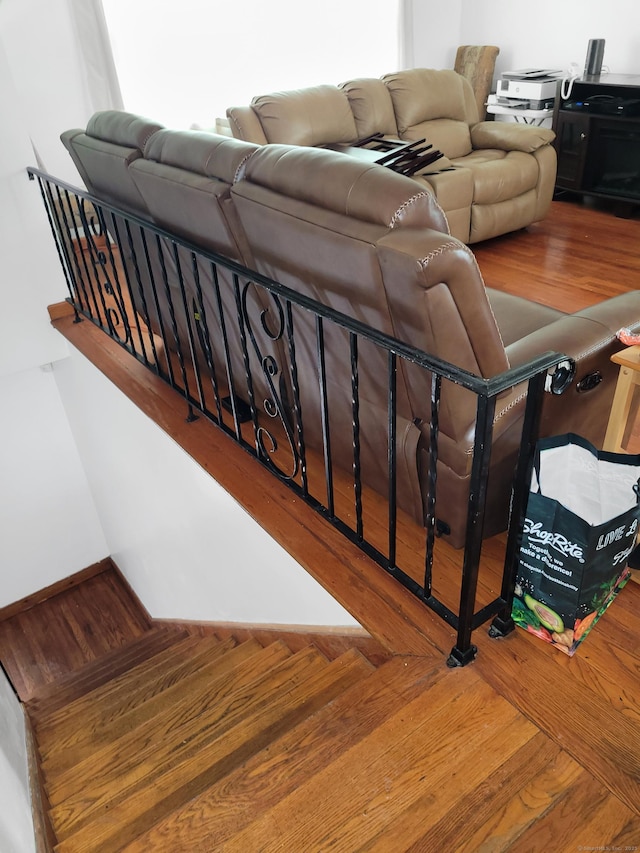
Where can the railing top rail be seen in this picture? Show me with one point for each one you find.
(485, 387)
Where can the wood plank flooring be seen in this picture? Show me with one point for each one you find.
(524, 750)
(213, 742)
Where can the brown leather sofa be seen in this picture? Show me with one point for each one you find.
(372, 244)
(182, 184)
(495, 177)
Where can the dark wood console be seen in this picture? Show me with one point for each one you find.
(598, 137)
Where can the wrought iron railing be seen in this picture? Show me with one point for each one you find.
(242, 350)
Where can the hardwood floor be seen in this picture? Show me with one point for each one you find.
(580, 254)
(210, 740)
(524, 750)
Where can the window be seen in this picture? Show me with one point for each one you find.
(185, 68)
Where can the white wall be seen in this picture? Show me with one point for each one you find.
(48, 524)
(16, 823)
(434, 33)
(46, 71)
(552, 34)
(28, 253)
(183, 73)
(49, 527)
(185, 546)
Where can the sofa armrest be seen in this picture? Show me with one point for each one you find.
(581, 334)
(589, 337)
(507, 136)
(245, 124)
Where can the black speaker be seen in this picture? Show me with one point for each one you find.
(595, 55)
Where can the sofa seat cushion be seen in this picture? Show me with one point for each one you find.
(500, 176)
(319, 115)
(517, 317)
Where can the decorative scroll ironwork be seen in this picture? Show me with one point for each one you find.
(105, 271)
(273, 404)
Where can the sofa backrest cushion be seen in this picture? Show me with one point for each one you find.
(437, 105)
(371, 106)
(439, 304)
(344, 185)
(185, 179)
(103, 153)
(319, 115)
(414, 273)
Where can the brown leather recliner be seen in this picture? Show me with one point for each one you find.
(358, 238)
(373, 245)
(495, 177)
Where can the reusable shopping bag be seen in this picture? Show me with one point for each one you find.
(580, 528)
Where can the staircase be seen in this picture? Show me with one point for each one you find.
(132, 738)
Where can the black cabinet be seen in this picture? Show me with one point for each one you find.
(598, 137)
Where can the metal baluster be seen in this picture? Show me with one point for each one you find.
(297, 405)
(138, 276)
(116, 286)
(247, 367)
(69, 248)
(73, 242)
(156, 301)
(392, 449)
(326, 433)
(430, 512)
(95, 311)
(174, 331)
(227, 351)
(355, 414)
(203, 334)
(96, 267)
(464, 652)
(503, 623)
(190, 335)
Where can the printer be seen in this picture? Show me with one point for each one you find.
(533, 88)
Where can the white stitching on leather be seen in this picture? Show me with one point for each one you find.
(508, 408)
(404, 206)
(444, 247)
(150, 134)
(241, 165)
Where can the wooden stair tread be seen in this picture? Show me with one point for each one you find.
(75, 684)
(199, 764)
(405, 763)
(144, 748)
(265, 778)
(161, 663)
(189, 706)
(331, 644)
(101, 716)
